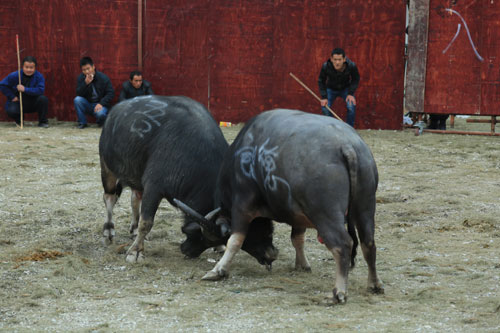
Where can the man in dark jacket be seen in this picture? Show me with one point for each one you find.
(32, 88)
(94, 94)
(339, 76)
(136, 86)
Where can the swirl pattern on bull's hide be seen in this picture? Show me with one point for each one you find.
(151, 111)
(263, 159)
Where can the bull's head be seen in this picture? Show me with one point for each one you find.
(214, 229)
(202, 232)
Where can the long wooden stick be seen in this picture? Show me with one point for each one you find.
(312, 93)
(19, 75)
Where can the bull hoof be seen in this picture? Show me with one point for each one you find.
(135, 257)
(339, 297)
(133, 233)
(378, 289)
(215, 276)
(375, 286)
(303, 268)
(107, 236)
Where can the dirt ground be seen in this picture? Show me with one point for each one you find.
(437, 233)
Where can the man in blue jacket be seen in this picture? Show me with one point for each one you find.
(94, 93)
(32, 88)
(339, 77)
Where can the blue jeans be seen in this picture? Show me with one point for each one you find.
(83, 107)
(351, 108)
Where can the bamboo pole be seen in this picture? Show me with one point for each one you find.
(19, 76)
(312, 93)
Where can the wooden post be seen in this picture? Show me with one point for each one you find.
(493, 123)
(139, 35)
(452, 121)
(19, 75)
(417, 55)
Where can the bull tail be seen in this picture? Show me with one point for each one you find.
(110, 183)
(351, 159)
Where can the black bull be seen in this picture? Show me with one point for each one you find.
(308, 171)
(168, 147)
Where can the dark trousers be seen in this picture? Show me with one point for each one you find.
(437, 121)
(31, 104)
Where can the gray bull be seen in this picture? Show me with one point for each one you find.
(161, 147)
(308, 171)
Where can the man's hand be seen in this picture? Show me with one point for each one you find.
(350, 99)
(20, 88)
(15, 99)
(324, 102)
(97, 108)
(89, 78)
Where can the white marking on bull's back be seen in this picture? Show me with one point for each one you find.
(152, 111)
(265, 159)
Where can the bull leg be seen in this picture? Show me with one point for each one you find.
(338, 241)
(149, 205)
(108, 229)
(221, 270)
(366, 230)
(135, 202)
(301, 262)
(112, 190)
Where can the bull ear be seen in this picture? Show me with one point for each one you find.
(191, 228)
(205, 224)
(224, 225)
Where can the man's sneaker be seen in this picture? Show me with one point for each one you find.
(43, 125)
(82, 126)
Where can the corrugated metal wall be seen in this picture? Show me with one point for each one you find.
(233, 56)
(457, 81)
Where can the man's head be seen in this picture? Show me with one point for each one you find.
(338, 58)
(136, 79)
(29, 65)
(87, 66)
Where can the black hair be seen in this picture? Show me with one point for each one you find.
(86, 61)
(338, 50)
(134, 73)
(29, 59)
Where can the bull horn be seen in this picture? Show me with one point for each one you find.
(202, 221)
(211, 214)
(188, 210)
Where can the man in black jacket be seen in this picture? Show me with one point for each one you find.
(136, 86)
(94, 94)
(339, 76)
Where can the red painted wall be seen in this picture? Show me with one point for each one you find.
(457, 82)
(234, 56)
